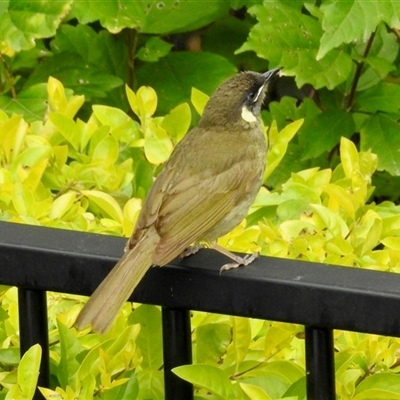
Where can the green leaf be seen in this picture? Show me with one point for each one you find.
(236, 30)
(297, 389)
(211, 342)
(347, 21)
(74, 71)
(379, 386)
(241, 339)
(79, 39)
(174, 76)
(149, 339)
(151, 385)
(290, 39)
(150, 16)
(288, 371)
(207, 377)
(380, 59)
(127, 391)
(26, 21)
(9, 356)
(31, 103)
(102, 53)
(154, 49)
(70, 347)
(381, 97)
(380, 134)
(323, 132)
(276, 338)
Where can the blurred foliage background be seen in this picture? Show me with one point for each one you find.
(94, 95)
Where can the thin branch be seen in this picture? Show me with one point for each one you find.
(9, 77)
(132, 44)
(397, 33)
(357, 75)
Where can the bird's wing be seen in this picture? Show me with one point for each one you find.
(195, 205)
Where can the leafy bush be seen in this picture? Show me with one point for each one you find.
(80, 150)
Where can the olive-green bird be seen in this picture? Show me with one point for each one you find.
(204, 190)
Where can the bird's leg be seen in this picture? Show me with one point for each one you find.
(238, 261)
(192, 250)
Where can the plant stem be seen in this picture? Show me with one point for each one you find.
(396, 32)
(357, 75)
(9, 77)
(132, 44)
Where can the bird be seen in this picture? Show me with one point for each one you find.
(204, 190)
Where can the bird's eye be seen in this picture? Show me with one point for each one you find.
(252, 96)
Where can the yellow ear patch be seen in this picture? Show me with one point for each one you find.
(247, 115)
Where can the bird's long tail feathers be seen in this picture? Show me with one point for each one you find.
(106, 301)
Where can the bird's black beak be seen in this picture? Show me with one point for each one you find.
(269, 74)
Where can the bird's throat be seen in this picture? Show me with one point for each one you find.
(247, 115)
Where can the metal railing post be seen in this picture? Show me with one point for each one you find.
(33, 327)
(320, 366)
(177, 348)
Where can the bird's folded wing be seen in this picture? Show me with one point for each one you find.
(192, 207)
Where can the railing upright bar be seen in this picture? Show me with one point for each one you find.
(33, 328)
(320, 366)
(177, 348)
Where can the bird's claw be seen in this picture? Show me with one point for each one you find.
(191, 250)
(240, 262)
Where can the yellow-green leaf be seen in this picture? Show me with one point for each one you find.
(106, 203)
(27, 375)
(22, 199)
(392, 242)
(111, 116)
(241, 332)
(279, 144)
(106, 151)
(67, 127)
(208, 377)
(157, 144)
(349, 157)
(12, 136)
(254, 392)
(61, 205)
(340, 198)
(331, 220)
(177, 122)
(199, 100)
(147, 101)
(133, 100)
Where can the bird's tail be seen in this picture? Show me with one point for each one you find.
(106, 301)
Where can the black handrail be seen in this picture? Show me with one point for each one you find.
(319, 296)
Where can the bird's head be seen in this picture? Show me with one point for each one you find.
(238, 100)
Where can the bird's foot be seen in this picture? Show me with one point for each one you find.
(240, 261)
(191, 250)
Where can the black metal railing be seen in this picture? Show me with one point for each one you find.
(318, 296)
